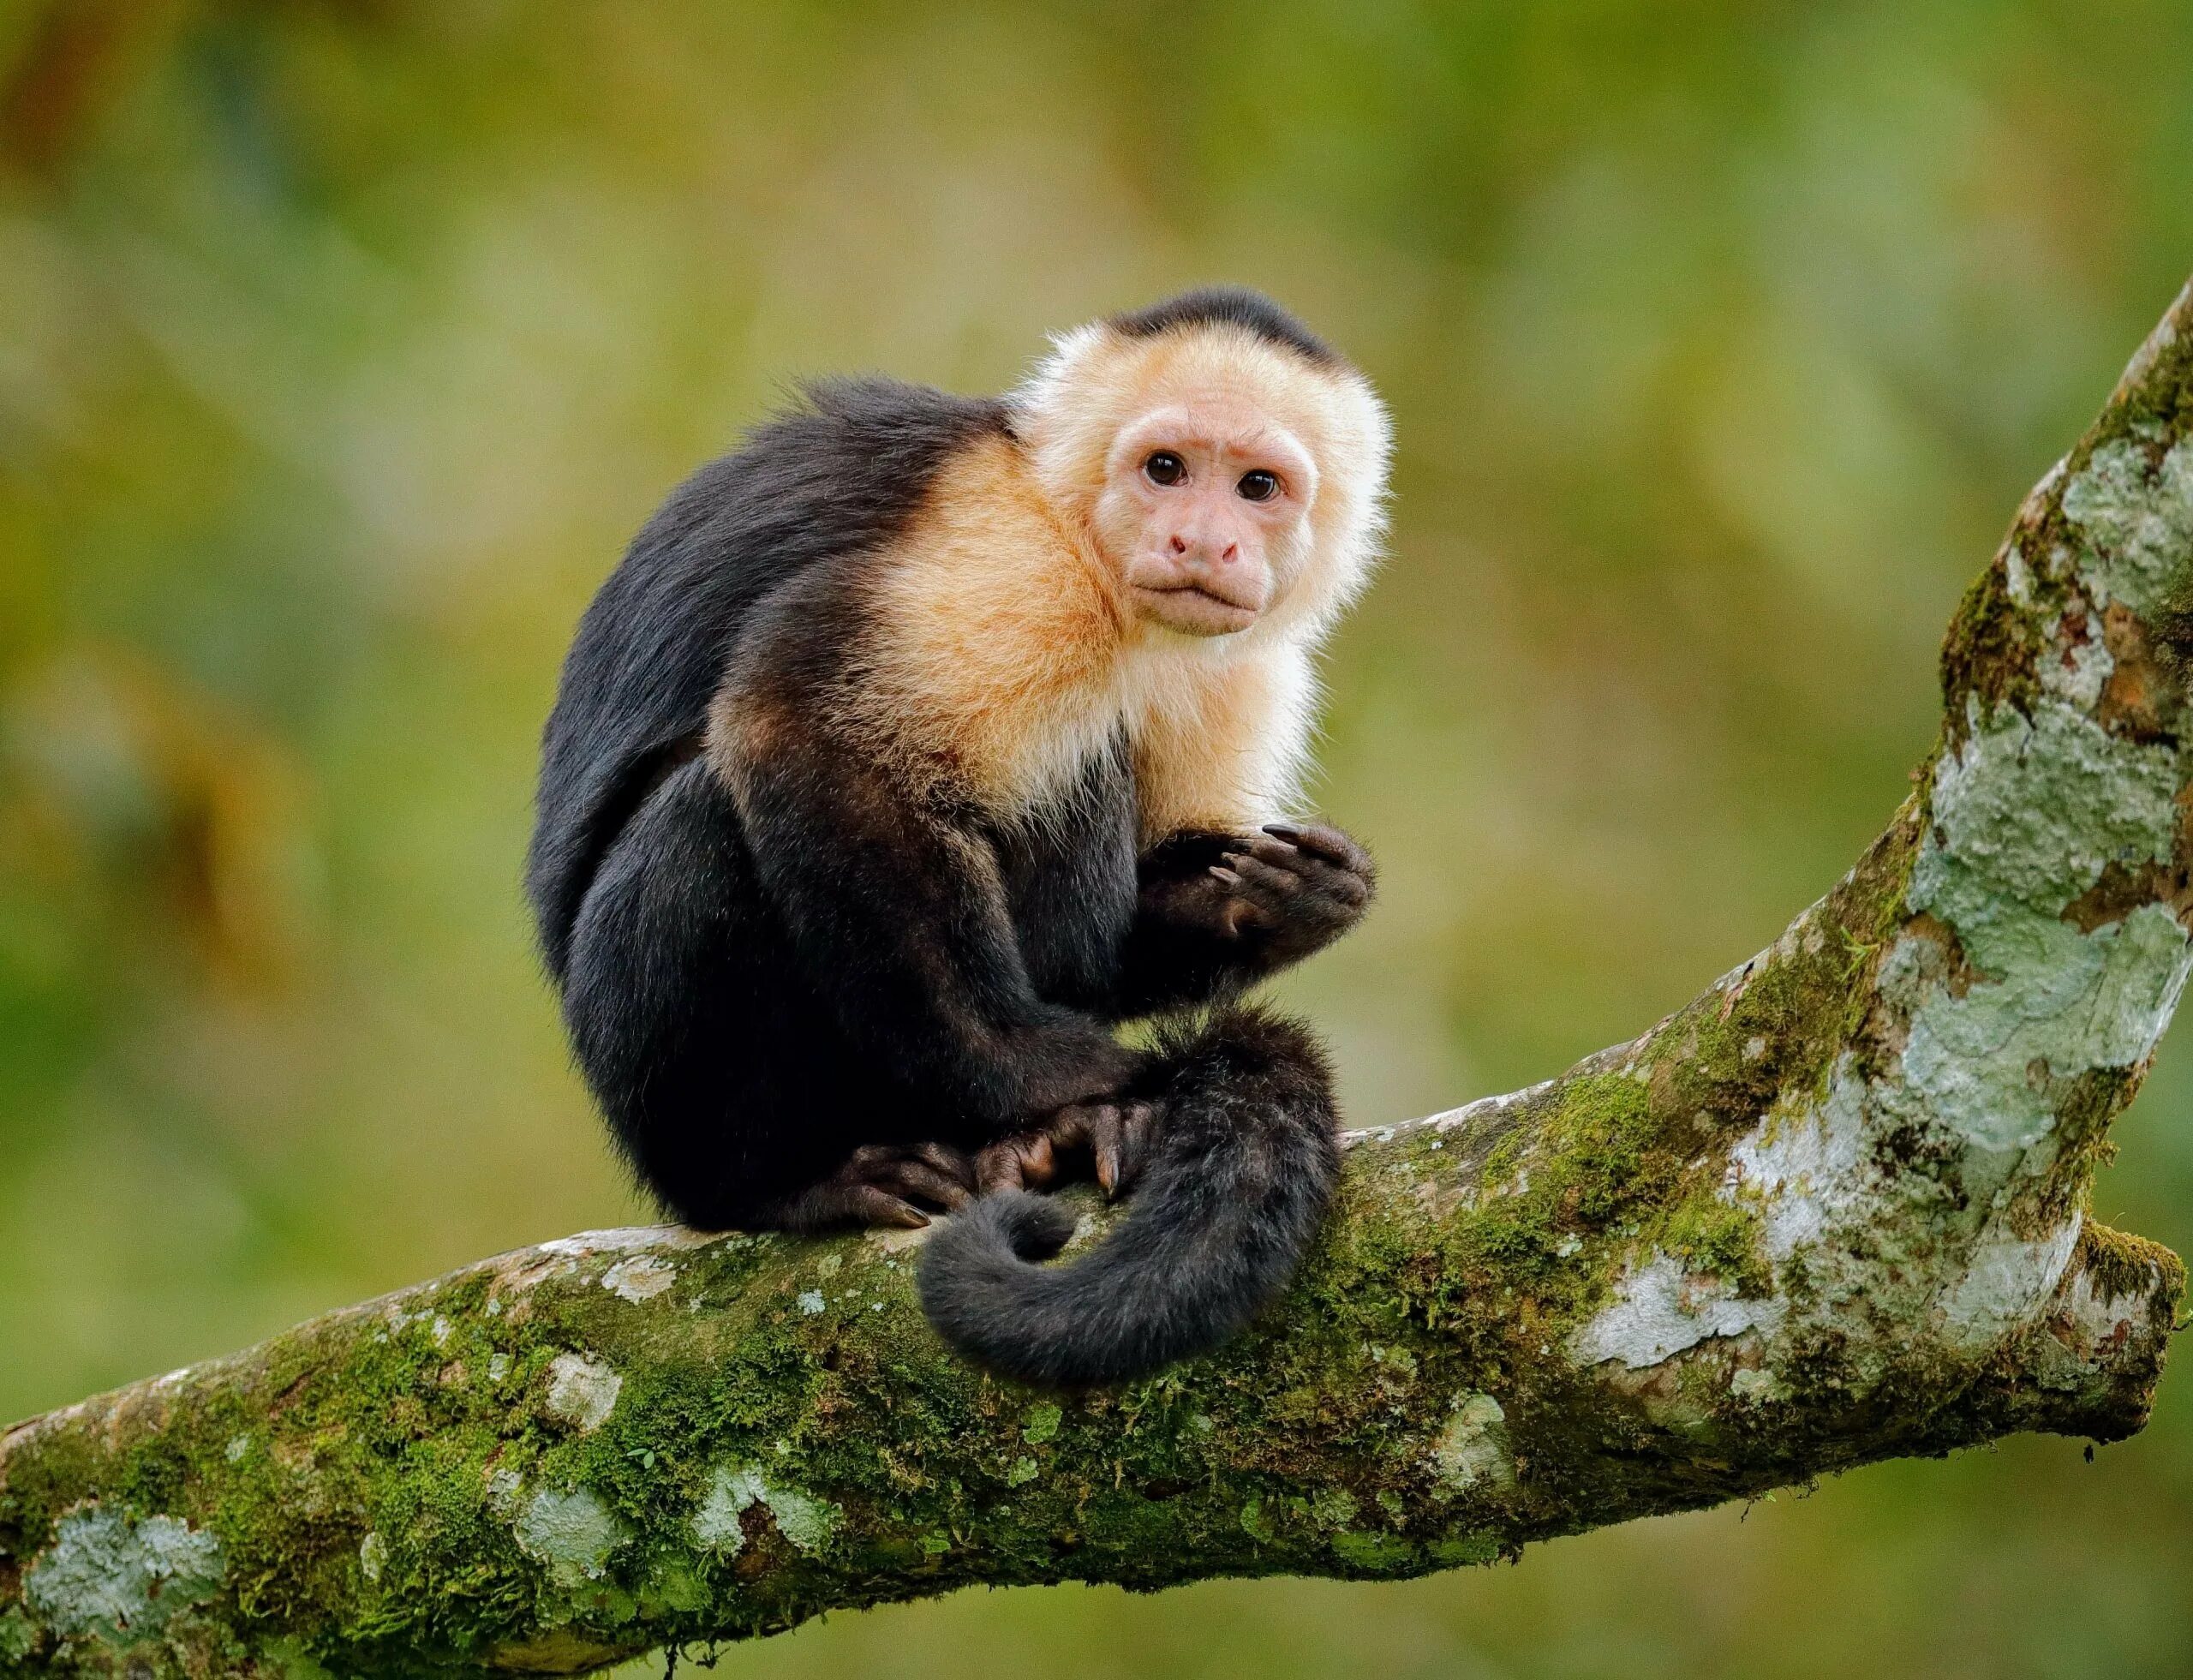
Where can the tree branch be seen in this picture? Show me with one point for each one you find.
(1833, 1211)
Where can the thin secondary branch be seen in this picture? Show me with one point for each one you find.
(1831, 1212)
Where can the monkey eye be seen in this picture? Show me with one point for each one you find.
(1258, 485)
(1165, 468)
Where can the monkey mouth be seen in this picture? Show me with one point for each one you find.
(1195, 610)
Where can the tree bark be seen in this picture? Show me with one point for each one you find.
(1833, 1211)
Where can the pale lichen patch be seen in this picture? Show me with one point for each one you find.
(573, 1533)
(1660, 1309)
(715, 1524)
(119, 1580)
(2026, 812)
(1473, 1448)
(581, 1391)
(895, 1240)
(631, 1239)
(2070, 1002)
(2091, 1325)
(639, 1278)
(2004, 1285)
(2138, 521)
(1756, 1387)
(1803, 1167)
(804, 1521)
(2079, 668)
(503, 1485)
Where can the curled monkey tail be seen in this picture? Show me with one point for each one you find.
(1236, 1188)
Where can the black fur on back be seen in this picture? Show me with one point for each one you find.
(841, 474)
(1237, 1188)
(1228, 306)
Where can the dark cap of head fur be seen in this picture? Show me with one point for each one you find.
(1228, 306)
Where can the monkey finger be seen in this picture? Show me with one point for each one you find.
(1239, 910)
(1264, 883)
(1319, 879)
(1325, 879)
(1328, 843)
(1237, 915)
(1330, 881)
(1114, 1134)
(1281, 854)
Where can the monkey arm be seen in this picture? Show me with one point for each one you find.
(1217, 912)
(896, 914)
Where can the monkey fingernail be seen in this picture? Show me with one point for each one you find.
(1226, 876)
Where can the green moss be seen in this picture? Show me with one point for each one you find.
(1726, 1239)
(1374, 1554)
(17, 1640)
(1042, 1424)
(1989, 650)
(2124, 1264)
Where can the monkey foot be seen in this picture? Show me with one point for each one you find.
(1113, 1138)
(885, 1184)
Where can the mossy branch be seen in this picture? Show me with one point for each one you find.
(1833, 1212)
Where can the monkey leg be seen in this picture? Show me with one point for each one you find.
(728, 1085)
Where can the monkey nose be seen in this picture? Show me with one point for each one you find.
(1198, 550)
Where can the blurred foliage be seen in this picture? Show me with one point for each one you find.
(344, 342)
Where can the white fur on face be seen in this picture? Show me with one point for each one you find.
(1010, 649)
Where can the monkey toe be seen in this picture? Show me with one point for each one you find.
(1117, 1136)
(1025, 1161)
(838, 1204)
(889, 1185)
(871, 1204)
(916, 1174)
(956, 1165)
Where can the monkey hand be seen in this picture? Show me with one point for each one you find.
(1107, 1140)
(1292, 889)
(883, 1184)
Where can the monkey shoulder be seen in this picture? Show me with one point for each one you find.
(841, 475)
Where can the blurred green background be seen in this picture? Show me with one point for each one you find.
(342, 345)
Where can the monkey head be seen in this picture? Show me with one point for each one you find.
(1229, 471)
(1202, 500)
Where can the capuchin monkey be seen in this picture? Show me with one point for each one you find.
(925, 739)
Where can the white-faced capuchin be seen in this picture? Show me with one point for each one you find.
(925, 739)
